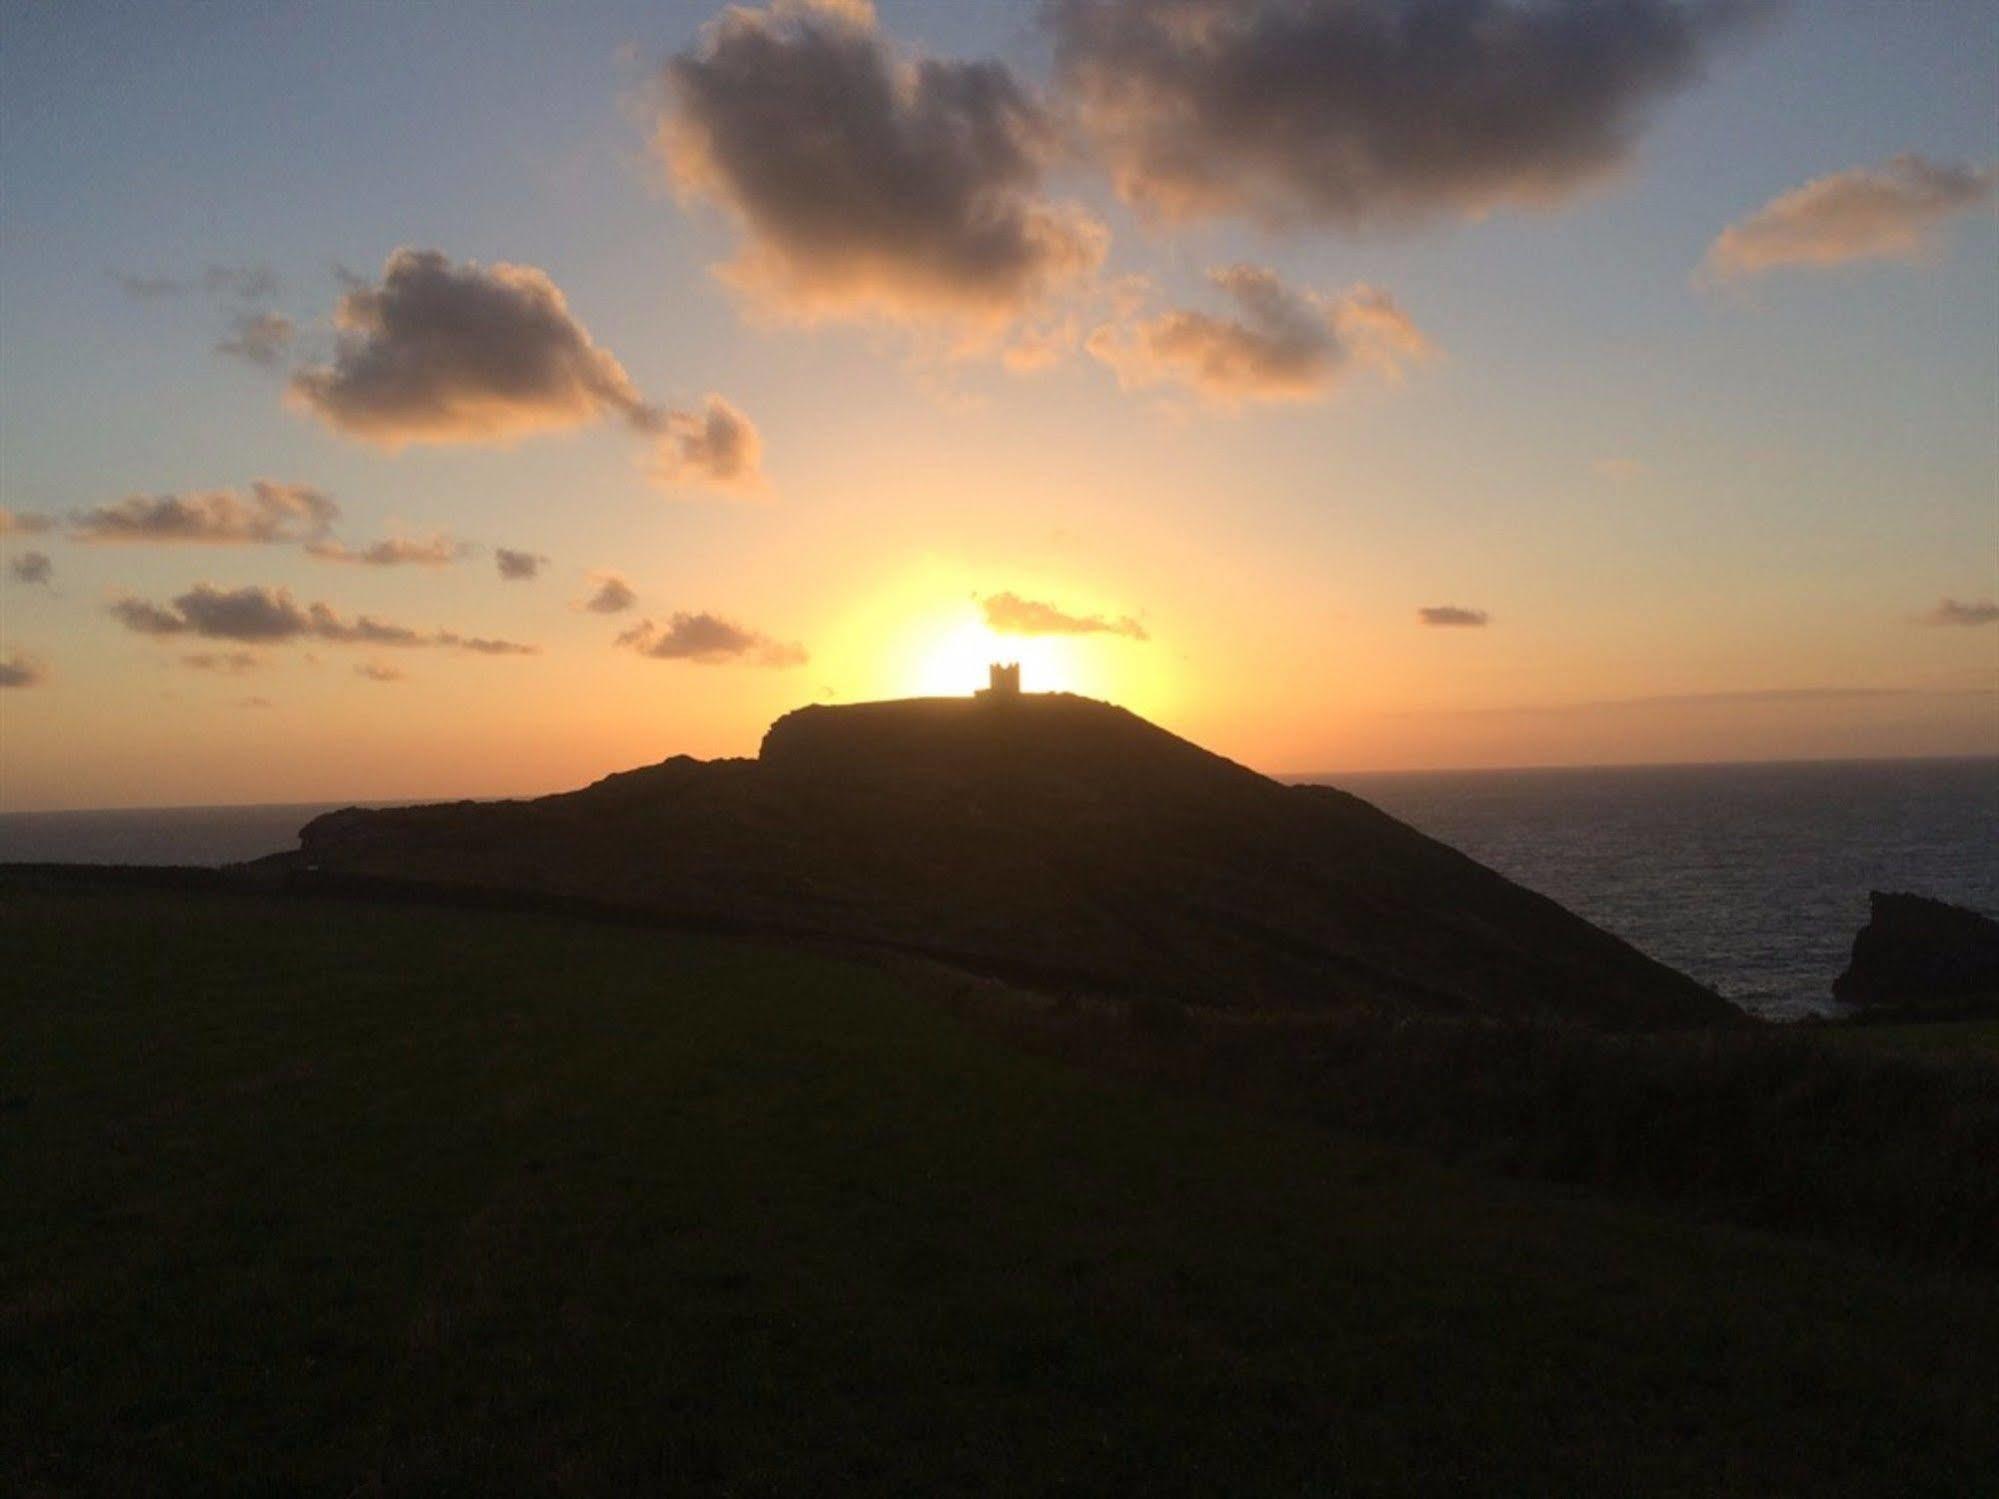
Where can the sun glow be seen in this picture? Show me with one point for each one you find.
(954, 662)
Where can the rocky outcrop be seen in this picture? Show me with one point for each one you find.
(1922, 956)
(1050, 838)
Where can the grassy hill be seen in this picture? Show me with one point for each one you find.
(348, 1199)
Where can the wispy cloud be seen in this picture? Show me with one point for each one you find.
(1964, 612)
(1453, 616)
(1281, 344)
(436, 550)
(270, 513)
(1010, 614)
(612, 594)
(24, 522)
(1895, 211)
(259, 615)
(709, 640)
(379, 671)
(259, 338)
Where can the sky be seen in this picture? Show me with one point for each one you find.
(475, 400)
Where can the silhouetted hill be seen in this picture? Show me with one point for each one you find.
(1923, 956)
(1047, 836)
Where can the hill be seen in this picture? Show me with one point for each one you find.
(339, 1198)
(1048, 837)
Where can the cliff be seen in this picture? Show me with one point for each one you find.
(1048, 837)
(1923, 956)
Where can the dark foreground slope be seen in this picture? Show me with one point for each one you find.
(1051, 837)
(346, 1199)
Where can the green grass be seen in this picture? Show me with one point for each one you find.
(347, 1199)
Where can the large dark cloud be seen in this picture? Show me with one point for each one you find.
(1369, 112)
(709, 640)
(1281, 344)
(446, 353)
(1891, 212)
(258, 615)
(1010, 614)
(867, 182)
(270, 513)
(436, 550)
(1959, 612)
(31, 568)
(1453, 616)
(17, 670)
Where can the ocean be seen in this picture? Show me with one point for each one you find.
(1752, 878)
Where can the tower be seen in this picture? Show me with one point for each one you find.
(1003, 680)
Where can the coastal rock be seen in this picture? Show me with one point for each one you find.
(1923, 956)
(1048, 838)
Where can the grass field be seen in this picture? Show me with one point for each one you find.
(318, 1198)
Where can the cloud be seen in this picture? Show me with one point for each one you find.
(23, 522)
(261, 338)
(270, 514)
(18, 670)
(1957, 612)
(1890, 212)
(255, 702)
(31, 567)
(481, 646)
(720, 448)
(866, 182)
(378, 671)
(248, 283)
(1010, 614)
(258, 615)
(1452, 616)
(436, 550)
(1281, 344)
(1364, 113)
(613, 595)
(1743, 698)
(709, 640)
(444, 353)
(233, 663)
(518, 567)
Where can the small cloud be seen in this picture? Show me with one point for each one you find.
(720, 448)
(518, 567)
(254, 702)
(709, 640)
(1454, 617)
(150, 288)
(270, 514)
(612, 595)
(249, 283)
(1891, 212)
(868, 183)
(1958, 612)
(1010, 614)
(231, 663)
(436, 550)
(259, 615)
(260, 338)
(17, 670)
(1281, 344)
(31, 568)
(378, 671)
(23, 522)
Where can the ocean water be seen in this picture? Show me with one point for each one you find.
(1752, 878)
